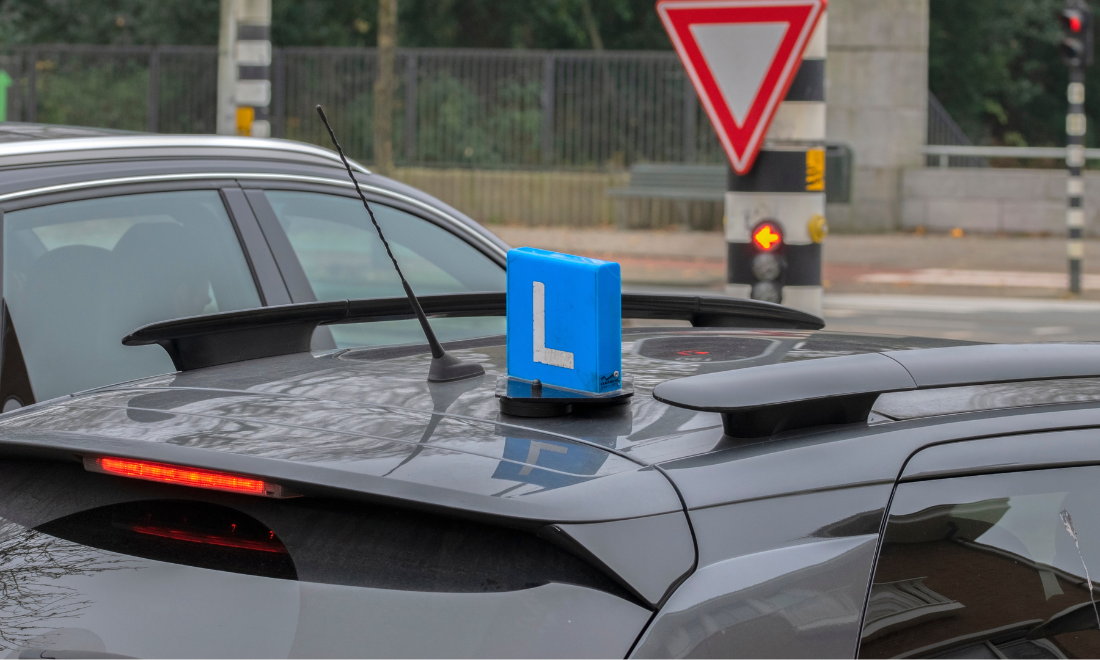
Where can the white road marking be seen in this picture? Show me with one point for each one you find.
(543, 355)
(850, 304)
(957, 277)
(1052, 330)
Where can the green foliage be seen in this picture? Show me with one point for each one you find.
(325, 22)
(109, 21)
(456, 126)
(631, 24)
(622, 24)
(110, 95)
(994, 65)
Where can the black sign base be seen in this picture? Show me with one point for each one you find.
(525, 398)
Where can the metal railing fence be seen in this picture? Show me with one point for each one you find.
(454, 107)
(485, 108)
(943, 130)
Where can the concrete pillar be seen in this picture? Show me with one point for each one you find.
(877, 89)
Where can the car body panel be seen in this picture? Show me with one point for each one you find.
(650, 554)
(319, 596)
(785, 528)
(1031, 451)
(372, 424)
(803, 601)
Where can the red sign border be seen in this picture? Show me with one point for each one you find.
(789, 55)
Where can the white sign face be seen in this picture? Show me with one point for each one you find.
(750, 49)
(741, 56)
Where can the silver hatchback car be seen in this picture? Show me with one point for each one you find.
(104, 232)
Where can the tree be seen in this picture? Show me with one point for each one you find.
(619, 24)
(109, 21)
(385, 86)
(994, 65)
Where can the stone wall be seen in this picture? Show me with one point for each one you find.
(994, 200)
(877, 95)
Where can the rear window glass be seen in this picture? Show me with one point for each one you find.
(343, 258)
(80, 276)
(96, 563)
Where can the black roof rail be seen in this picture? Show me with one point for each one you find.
(213, 339)
(761, 401)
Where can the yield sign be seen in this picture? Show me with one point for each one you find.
(741, 55)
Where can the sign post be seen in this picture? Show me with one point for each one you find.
(758, 67)
(1076, 48)
(5, 83)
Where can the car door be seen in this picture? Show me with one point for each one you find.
(990, 551)
(82, 271)
(328, 249)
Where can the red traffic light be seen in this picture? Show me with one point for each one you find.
(1075, 23)
(767, 236)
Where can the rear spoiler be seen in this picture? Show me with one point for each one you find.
(205, 341)
(757, 402)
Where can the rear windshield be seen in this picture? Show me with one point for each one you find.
(95, 563)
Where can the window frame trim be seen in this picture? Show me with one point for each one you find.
(437, 215)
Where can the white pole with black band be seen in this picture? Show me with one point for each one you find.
(784, 195)
(244, 68)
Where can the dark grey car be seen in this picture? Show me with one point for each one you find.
(836, 496)
(104, 232)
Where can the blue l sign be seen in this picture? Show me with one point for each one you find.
(564, 320)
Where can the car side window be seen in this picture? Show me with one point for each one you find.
(343, 258)
(79, 276)
(989, 566)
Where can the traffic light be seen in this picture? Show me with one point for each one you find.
(769, 263)
(1077, 31)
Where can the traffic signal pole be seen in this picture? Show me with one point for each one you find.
(784, 196)
(1076, 49)
(1075, 186)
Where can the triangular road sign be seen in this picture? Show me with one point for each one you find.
(742, 56)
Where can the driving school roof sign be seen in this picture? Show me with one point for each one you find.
(741, 56)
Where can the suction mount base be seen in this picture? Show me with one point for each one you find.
(525, 398)
(448, 368)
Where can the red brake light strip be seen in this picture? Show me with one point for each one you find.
(209, 539)
(184, 476)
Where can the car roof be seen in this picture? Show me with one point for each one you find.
(15, 131)
(23, 145)
(365, 423)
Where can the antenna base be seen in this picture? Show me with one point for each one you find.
(448, 368)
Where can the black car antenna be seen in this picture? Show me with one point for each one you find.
(445, 367)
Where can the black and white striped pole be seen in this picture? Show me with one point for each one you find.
(1075, 187)
(784, 196)
(244, 65)
(1076, 48)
